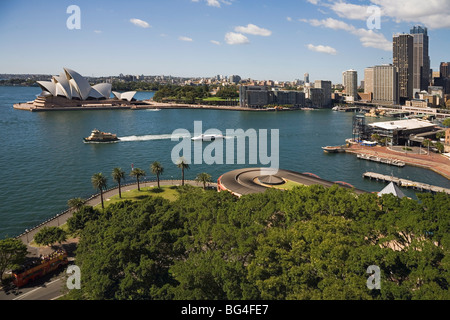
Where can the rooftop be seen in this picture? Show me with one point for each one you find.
(408, 124)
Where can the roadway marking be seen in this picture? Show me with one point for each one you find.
(30, 292)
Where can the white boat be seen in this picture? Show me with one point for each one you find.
(207, 137)
(98, 136)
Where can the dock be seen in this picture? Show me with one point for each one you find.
(405, 183)
(392, 162)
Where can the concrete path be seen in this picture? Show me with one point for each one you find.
(94, 200)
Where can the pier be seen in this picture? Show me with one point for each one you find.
(405, 183)
(392, 162)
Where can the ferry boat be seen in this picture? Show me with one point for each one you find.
(207, 137)
(329, 149)
(98, 136)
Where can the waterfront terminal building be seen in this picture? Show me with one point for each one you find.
(400, 132)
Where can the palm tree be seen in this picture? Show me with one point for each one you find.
(138, 173)
(118, 175)
(157, 169)
(76, 203)
(182, 164)
(99, 183)
(203, 178)
(427, 143)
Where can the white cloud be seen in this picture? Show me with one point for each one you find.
(254, 30)
(187, 39)
(350, 11)
(289, 19)
(215, 42)
(140, 23)
(434, 14)
(368, 38)
(236, 38)
(97, 31)
(213, 3)
(322, 49)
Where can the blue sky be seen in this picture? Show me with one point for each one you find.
(259, 39)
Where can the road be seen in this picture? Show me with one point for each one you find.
(47, 288)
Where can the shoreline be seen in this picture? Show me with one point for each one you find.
(434, 162)
(146, 104)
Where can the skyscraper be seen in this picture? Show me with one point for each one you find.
(421, 59)
(403, 60)
(350, 82)
(368, 80)
(444, 69)
(306, 78)
(385, 84)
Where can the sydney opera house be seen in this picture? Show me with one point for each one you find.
(71, 90)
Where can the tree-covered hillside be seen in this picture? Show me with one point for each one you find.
(307, 243)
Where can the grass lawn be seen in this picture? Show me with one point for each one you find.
(288, 185)
(168, 192)
(218, 99)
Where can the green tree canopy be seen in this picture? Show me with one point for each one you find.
(12, 254)
(50, 235)
(305, 243)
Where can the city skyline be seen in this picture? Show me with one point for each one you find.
(273, 40)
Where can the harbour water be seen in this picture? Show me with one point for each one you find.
(44, 161)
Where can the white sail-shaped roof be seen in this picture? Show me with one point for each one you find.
(63, 85)
(125, 95)
(81, 84)
(47, 86)
(104, 89)
(72, 85)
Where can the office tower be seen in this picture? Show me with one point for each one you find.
(235, 79)
(385, 85)
(350, 82)
(306, 78)
(421, 59)
(403, 59)
(368, 80)
(326, 86)
(444, 70)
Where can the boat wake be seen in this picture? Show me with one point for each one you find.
(153, 137)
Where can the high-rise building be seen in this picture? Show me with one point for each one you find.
(234, 79)
(326, 86)
(403, 59)
(444, 69)
(385, 85)
(306, 78)
(421, 58)
(368, 80)
(350, 82)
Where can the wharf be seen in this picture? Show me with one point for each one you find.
(405, 183)
(393, 162)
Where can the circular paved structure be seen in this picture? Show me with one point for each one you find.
(245, 181)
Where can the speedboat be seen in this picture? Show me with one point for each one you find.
(207, 137)
(98, 136)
